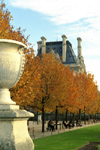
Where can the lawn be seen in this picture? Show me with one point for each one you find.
(69, 140)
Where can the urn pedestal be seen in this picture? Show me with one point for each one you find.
(13, 130)
(13, 121)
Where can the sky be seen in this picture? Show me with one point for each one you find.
(53, 18)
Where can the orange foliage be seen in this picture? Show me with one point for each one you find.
(87, 89)
(70, 96)
(52, 87)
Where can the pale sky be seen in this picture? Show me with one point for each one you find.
(53, 18)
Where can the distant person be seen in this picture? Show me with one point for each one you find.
(78, 123)
(71, 123)
(51, 125)
(66, 124)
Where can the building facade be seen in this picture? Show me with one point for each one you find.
(63, 51)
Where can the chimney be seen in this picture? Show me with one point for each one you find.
(43, 44)
(39, 45)
(64, 48)
(79, 47)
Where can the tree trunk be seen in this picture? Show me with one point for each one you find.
(84, 116)
(37, 118)
(89, 118)
(80, 115)
(73, 119)
(70, 116)
(66, 115)
(43, 118)
(56, 116)
(95, 117)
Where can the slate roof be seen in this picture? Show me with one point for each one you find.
(57, 47)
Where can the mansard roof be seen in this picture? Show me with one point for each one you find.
(57, 48)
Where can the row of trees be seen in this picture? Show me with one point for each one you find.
(47, 84)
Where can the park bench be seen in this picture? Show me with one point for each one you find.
(58, 124)
(48, 129)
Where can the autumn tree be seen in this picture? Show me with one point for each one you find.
(52, 84)
(87, 91)
(69, 102)
(7, 30)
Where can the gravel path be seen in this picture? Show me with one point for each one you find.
(35, 130)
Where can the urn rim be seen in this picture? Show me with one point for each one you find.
(13, 42)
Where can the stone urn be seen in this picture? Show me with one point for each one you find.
(11, 67)
(13, 121)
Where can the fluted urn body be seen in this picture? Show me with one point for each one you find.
(11, 66)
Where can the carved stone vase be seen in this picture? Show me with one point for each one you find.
(13, 121)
